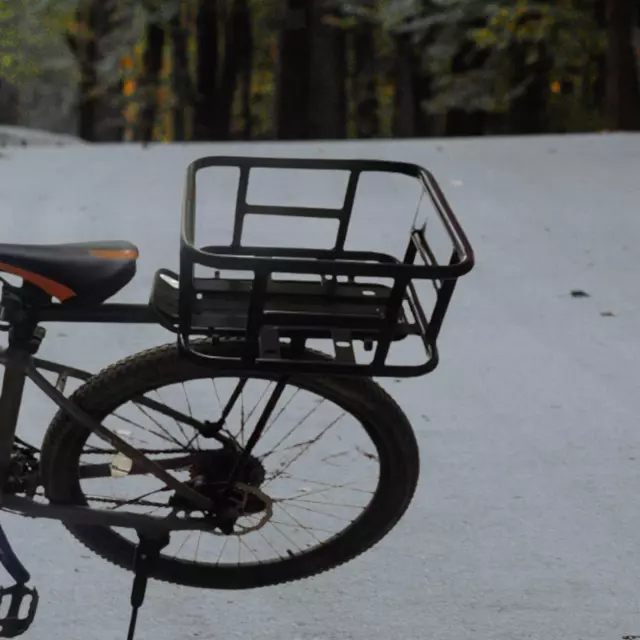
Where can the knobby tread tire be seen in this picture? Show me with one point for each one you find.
(131, 377)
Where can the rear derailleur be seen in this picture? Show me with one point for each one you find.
(210, 477)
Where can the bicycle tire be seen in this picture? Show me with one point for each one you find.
(381, 417)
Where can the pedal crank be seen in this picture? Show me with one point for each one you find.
(146, 557)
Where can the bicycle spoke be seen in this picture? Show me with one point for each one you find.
(320, 513)
(255, 406)
(299, 524)
(246, 546)
(146, 429)
(269, 542)
(178, 424)
(309, 505)
(215, 390)
(109, 499)
(224, 546)
(141, 497)
(228, 408)
(195, 554)
(308, 444)
(313, 492)
(286, 537)
(197, 435)
(289, 524)
(186, 397)
(295, 393)
(259, 428)
(327, 504)
(161, 427)
(175, 555)
(295, 426)
(242, 419)
(164, 409)
(322, 484)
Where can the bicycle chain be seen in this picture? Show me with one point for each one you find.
(241, 530)
(142, 503)
(146, 503)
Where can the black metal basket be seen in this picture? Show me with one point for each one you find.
(345, 304)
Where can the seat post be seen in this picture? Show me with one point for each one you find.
(15, 374)
(25, 337)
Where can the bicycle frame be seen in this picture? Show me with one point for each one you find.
(21, 365)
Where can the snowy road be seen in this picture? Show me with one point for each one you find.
(527, 518)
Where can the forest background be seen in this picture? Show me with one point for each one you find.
(174, 70)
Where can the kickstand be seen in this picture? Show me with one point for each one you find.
(147, 554)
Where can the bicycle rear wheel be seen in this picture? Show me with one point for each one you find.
(338, 531)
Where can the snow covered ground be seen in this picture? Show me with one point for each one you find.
(526, 521)
(14, 136)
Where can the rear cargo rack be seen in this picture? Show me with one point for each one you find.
(330, 294)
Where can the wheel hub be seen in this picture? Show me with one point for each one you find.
(210, 474)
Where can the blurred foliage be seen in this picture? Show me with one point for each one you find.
(567, 28)
(465, 48)
(21, 30)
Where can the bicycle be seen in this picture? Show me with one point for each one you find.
(255, 329)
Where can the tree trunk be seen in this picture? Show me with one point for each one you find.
(328, 77)
(412, 88)
(180, 77)
(110, 126)
(149, 82)
(466, 121)
(99, 103)
(84, 47)
(528, 111)
(293, 70)
(365, 88)
(236, 51)
(599, 87)
(623, 85)
(247, 75)
(9, 103)
(422, 92)
(204, 120)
